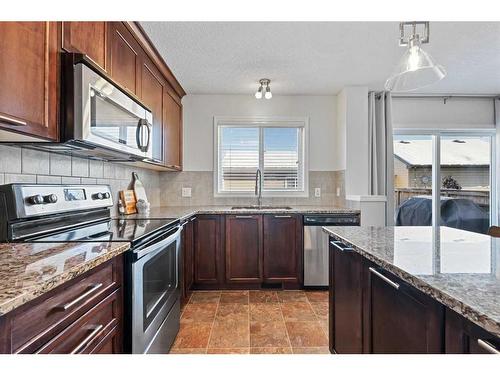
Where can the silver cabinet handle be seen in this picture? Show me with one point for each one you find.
(487, 346)
(193, 218)
(93, 333)
(337, 245)
(282, 216)
(81, 297)
(243, 217)
(386, 279)
(13, 121)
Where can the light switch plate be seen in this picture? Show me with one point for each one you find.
(186, 192)
(317, 192)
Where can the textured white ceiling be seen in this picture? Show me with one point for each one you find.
(319, 58)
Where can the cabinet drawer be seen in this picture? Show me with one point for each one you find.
(39, 322)
(85, 334)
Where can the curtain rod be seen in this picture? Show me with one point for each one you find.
(444, 96)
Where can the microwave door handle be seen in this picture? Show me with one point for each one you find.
(139, 135)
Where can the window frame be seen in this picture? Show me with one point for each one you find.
(436, 135)
(262, 122)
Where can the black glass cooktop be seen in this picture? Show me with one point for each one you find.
(115, 230)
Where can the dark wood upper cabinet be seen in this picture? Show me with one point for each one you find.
(124, 57)
(29, 78)
(399, 318)
(208, 248)
(243, 248)
(282, 248)
(172, 119)
(152, 89)
(346, 303)
(89, 38)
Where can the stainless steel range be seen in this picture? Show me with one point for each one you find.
(81, 213)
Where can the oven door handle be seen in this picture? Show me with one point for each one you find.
(156, 245)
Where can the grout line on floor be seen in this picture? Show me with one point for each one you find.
(284, 323)
(213, 323)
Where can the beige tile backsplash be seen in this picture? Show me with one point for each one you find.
(202, 192)
(30, 166)
(162, 188)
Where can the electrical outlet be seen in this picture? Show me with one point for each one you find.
(338, 192)
(317, 192)
(186, 192)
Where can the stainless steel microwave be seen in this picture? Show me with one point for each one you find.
(99, 113)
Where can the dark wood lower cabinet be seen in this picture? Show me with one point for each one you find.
(208, 251)
(346, 304)
(398, 317)
(464, 337)
(283, 249)
(243, 255)
(84, 315)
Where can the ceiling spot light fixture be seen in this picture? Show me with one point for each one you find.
(416, 68)
(264, 83)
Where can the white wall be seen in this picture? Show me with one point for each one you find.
(352, 118)
(199, 111)
(457, 113)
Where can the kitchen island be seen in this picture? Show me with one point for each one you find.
(414, 289)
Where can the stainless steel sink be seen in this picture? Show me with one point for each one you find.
(263, 207)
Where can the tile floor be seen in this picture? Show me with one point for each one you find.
(255, 322)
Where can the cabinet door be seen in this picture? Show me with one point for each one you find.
(124, 57)
(29, 78)
(282, 248)
(207, 250)
(464, 337)
(400, 318)
(173, 131)
(112, 343)
(346, 304)
(243, 248)
(86, 37)
(152, 89)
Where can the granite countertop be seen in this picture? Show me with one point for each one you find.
(458, 268)
(184, 212)
(28, 270)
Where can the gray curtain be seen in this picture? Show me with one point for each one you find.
(381, 150)
(497, 124)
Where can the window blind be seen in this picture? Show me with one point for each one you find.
(276, 151)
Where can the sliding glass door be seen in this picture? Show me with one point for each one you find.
(445, 177)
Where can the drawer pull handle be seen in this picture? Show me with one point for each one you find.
(93, 333)
(337, 245)
(193, 219)
(487, 346)
(283, 216)
(386, 279)
(81, 297)
(13, 121)
(243, 217)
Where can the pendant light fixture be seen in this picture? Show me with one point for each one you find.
(417, 68)
(264, 83)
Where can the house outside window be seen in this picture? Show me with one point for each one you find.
(463, 165)
(276, 146)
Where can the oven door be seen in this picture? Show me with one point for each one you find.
(110, 118)
(155, 289)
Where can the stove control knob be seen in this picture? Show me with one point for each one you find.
(51, 198)
(36, 199)
(98, 196)
(106, 195)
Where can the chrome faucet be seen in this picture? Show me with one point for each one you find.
(258, 187)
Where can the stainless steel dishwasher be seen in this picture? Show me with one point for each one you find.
(316, 245)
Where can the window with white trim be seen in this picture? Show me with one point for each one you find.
(276, 147)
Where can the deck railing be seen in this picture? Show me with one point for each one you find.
(480, 197)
